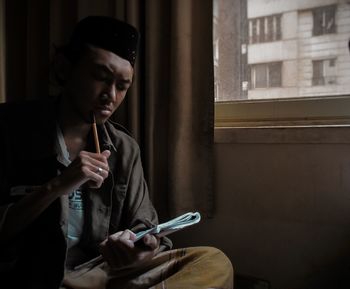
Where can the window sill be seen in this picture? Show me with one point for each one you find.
(332, 110)
(303, 134)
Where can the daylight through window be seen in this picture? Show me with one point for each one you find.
(281, 49)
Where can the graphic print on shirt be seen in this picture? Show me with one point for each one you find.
(76, 217)
(76, 200)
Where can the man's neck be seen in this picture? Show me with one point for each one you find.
(74, 128)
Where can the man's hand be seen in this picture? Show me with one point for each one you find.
(87, 168)
(119, 250)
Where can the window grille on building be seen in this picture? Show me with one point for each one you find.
(265, 29)
(324, 20)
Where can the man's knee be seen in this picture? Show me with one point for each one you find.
(218, 257)
(213, 259)
(207, 266)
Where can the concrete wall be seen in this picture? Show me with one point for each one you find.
(282, 205)
(258, 8)
(324, 47)
(272, 51)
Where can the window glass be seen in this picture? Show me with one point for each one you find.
(275, 75)
(259, 76)
(318, 74)
(324, 20)
(265, 29)
(281, 49)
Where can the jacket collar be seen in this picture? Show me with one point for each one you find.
(105, 139)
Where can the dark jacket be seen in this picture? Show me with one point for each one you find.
(36, 259)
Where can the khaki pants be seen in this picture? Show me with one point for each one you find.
(190, 268)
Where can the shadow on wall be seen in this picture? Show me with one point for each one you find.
(249, 282)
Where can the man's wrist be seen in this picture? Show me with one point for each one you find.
(52, 188)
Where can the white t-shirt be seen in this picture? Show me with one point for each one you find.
(76, 208)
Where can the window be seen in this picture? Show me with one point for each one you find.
(324, 20)
(281, 61)
(324, 72)
(266, 75)
(265, 29)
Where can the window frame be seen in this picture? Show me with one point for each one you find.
(323, 110)
(264, 29)
(310, 111)
(324, 78)
(268, 71)
(324, 11)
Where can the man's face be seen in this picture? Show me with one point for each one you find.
(98, 83)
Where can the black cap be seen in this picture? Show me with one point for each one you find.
(108, 33)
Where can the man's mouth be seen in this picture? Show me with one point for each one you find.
(104, 110)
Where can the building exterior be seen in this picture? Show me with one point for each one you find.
(292, 48)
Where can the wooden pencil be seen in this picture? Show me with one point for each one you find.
(94, 130)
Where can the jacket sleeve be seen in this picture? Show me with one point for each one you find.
(8, 252)
(4, 190)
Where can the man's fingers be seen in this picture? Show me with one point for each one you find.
(122, 245)
(96, 163)
(94, 167)
(106, 153)
(151, 241)
(119, 249)
(128, 238)
(121, 239)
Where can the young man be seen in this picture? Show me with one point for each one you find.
(68, 212)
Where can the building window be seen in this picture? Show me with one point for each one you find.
(266, 75)
(265, 29)
(324, 20)
(324, 72)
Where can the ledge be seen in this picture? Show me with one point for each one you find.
(338, 134)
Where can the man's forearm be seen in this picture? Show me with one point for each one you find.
(28, 209)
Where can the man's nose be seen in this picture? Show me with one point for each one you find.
(111, 93)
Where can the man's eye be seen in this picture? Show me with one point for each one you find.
(101, 76)
(122, 87)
